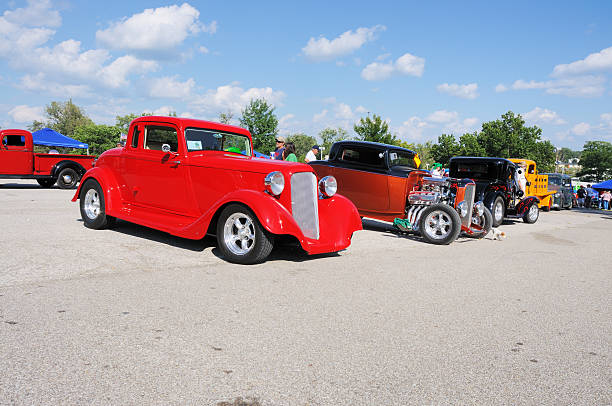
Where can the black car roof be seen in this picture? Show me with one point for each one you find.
(482, 159)
(373, 144)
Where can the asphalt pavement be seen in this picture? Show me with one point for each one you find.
(137, 316)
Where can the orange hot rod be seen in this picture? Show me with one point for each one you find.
(384, 183)
(192, 177)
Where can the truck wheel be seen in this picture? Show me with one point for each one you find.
(46, 183)
(499, 211)
(68, 178)
(485, 221)
(439, 224)
(531, 215)
(93, 209)
(241, 238)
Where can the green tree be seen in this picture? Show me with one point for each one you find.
(227, 117)
(99, 137)
(123, 122)
(596, 161)
(258, 117)
(303, 144)
(565, 154)
(65, 117)
(469, 145)
(543, 152)
(424, 151)
(508, 137)
(36, 125)
(330, 135)
(374, 129)
(446, 148)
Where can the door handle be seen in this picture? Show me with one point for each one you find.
(175, 162)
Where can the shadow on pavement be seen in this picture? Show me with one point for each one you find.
(26, 186)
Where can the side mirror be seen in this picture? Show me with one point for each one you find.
(166, 148)
(520, 193)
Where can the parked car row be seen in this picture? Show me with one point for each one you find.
(191, 178)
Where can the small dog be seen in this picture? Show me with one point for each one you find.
(497, 234)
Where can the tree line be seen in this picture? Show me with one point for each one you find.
(506, 137)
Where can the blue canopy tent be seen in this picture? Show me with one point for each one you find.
(51, 138)
(603, 185)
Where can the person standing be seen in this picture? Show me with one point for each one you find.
(606, 197)
(289, 152)
(280, 147)
(581, 193)
(312, 154)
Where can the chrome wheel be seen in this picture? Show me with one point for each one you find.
(67, 179)
(92, 204)
(438, 225)
(533, 212)
(239, 233)
(499, 212)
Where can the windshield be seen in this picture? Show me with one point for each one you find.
(401, 158)
(474, 170)
(199, 139)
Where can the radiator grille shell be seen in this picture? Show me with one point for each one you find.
(304, 203)
(470, 191)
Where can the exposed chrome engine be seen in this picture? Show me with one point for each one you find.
(433, 190)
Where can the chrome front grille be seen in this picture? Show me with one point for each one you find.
(304, 203)
(470, 191)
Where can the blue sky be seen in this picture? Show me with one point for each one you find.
(426, 67)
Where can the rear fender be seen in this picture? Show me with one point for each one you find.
(523, 205)
(490, 199)
(108, 182)
(57, 168)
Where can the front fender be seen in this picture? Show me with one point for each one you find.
(523, 205)
(338, 219)
(109, 184)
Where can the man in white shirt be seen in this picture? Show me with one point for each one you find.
(312, 154)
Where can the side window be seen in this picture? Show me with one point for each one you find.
(155, 136)
(13, 141)
(531, 169)
(401, 158)
(364, 156)
(135, 136)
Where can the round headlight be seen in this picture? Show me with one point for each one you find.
(328, 186)
(463, 208)
(275, 183)
(479, 206)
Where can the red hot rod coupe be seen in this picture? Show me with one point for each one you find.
(384, 183)
(191, 177)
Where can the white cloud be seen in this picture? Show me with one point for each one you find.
(595, 62)
(38, 13)
(234, 98)
(320, 116)
(607, 118)
(40, 83)
(162, 28)
(540, 115)
(581, 128)
(412, 129)
(344, 111)
(115, 74)
(163, 111)
(467, 125)
(27, 114)
(500, 88)
(322, 49)
(170, 87)
(406, 64)
(361, 110)
(442, 116)
(203, 50)
(469, 91)
(581, 86)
